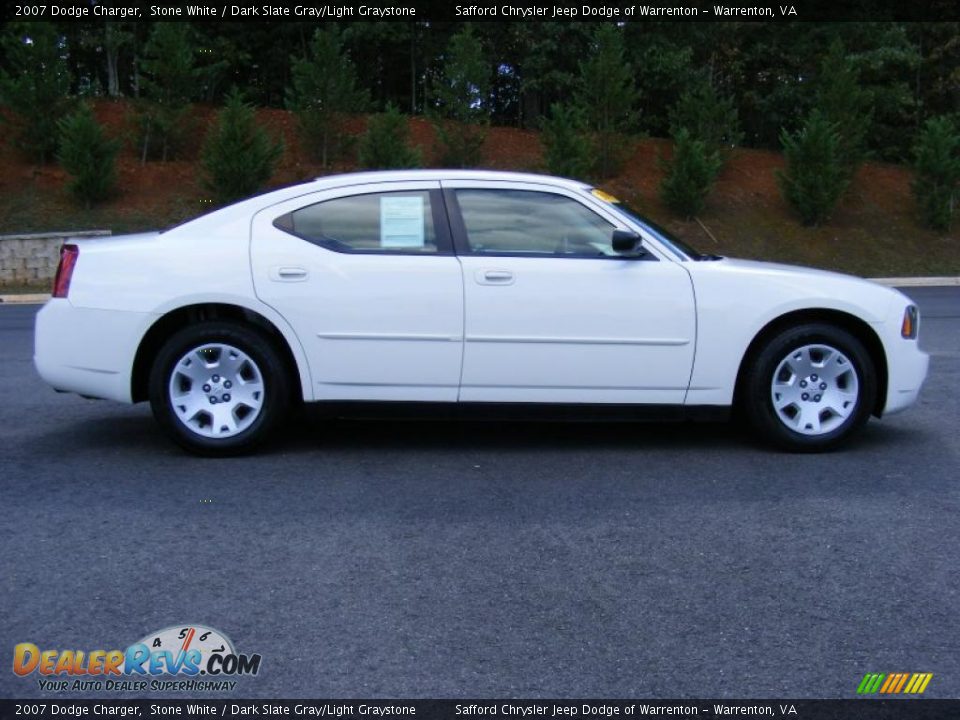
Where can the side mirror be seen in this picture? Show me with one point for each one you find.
(628, 244)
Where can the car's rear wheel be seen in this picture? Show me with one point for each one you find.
(811, 387)
(219, 388)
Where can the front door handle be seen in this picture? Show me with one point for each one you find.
(494, 277)
(287, 273)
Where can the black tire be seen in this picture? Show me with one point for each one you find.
(272, 375)
(758, 396)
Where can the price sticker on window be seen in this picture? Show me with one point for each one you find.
(402, 222)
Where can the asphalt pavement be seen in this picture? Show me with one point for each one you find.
(377, 559)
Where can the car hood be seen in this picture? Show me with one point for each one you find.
(805, 277)
(781, 269)
(787, 287)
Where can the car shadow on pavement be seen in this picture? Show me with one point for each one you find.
(312, 431)
(134, 430)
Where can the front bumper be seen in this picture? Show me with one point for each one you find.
(907, 364)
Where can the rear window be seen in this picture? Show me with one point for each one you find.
(377, 222)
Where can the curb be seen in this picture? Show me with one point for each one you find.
(40, 298)
(24, 298)
(918, 281)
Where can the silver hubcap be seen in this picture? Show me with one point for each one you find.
(216, 390)
(814, 389)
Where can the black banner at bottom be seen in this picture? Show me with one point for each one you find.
(861, 709)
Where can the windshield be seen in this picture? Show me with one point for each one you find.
(671, 241)
(677, 246)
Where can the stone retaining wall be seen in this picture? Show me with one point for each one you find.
(32, 259)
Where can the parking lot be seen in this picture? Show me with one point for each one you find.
(376, 559)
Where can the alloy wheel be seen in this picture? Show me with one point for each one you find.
(216, 390)
(815, 388)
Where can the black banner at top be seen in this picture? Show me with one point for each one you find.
(546, 709)
(320, 11)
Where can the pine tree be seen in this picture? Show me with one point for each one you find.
(238, 156)
(88, 156)
(690, 174)
(34, 83)
(607, 94)
(703, 126)
(816, 176)
(936, 186)
(386, 144)
(323, 92)
(168, 80)
(846, 105)
(567, 147)
(708, 117)
(460, 116)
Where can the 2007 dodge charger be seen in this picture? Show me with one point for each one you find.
(497, 293)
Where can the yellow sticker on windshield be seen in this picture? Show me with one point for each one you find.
(605, 196)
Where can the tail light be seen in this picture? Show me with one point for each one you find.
(68, 261)
(911, 318)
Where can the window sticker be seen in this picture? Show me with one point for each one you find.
(402, 222)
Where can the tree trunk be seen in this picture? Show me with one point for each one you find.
(146, 144)
(113, 81)
(413, 70)
(916, 92)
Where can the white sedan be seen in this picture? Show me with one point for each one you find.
(499, 293)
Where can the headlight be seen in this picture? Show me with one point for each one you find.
(911, 322)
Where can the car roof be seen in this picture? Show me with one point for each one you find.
(377, 176)
(327, 182)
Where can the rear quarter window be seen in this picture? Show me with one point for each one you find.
(394, 222)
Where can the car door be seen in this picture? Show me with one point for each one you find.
(367, 278)
(552, 313)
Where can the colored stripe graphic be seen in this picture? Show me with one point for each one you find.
(894, 683)
(918, 683)
(891, 682)
(870, 683)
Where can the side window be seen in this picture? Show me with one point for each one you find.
(377, 222)
(525, 222)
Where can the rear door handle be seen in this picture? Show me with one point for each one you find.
(287, 273)
(494, 277)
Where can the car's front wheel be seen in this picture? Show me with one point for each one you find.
(811, 387)
(219, 388)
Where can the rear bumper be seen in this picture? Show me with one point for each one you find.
(88, 351)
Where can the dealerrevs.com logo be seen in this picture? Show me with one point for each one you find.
(179, 658)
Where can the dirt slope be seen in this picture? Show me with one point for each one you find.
(873, 232)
